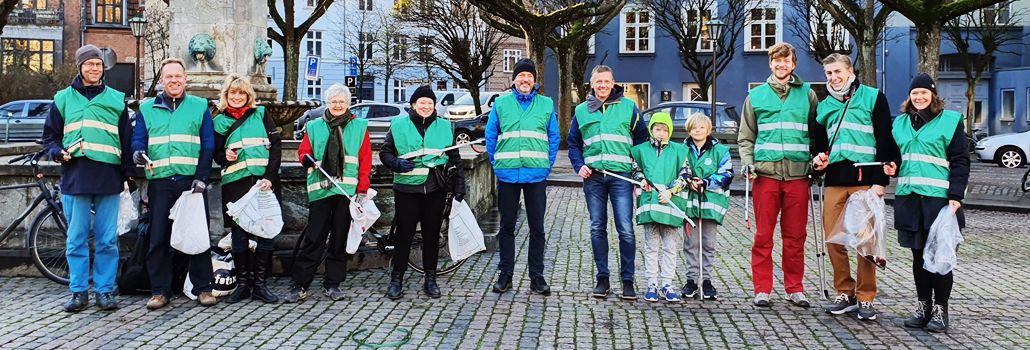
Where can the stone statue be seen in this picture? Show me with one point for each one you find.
(202, 50)
(261, 53)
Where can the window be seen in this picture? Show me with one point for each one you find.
(1008, 105)
(696, 27)
(398, 91)
(978, 110)
(441, 85)
(997, 14)
(829, 30)
(425, 48)
(33, 4)
(510, 57)
(400, 48)
(315, 89)
(692, 92)
(108, 12)
(640, 93)
(636, 31)
(37, 55)
(592, 44)
(12, 110)
(38, 110)
(313, 41)
(365, 41)
(365, 5)
(762, 28)
(312, 3)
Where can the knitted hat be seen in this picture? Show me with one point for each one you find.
(923, 80)
(86, 53)
(524, 65)
(422, 91)
(660, 118)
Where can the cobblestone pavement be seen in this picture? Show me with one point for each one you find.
(987, 311)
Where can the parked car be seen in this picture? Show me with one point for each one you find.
(366, 110)
(464, 107)
(23, 120)
(468, 130)
(1008, 150)
(726, 123)
(446, 99)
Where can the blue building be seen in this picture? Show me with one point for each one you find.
(645, 60)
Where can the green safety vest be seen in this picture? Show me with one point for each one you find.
(924, 154)
(319, 186)
(173, 145)
(661, 170)
(250, 161)
(523, 141)
(94, 121)
(855, 140)
(782, 124)
(409, 143)
(607, 136)
(716, 200)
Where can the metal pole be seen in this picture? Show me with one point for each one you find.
(715, 79)
(136, 81)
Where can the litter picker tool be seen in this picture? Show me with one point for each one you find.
(869, 164)
(747, 195)
(150, 163)
(74, 147)
(820, 239)
(679, 212)
(331, 180)
(261, 144)
(700, 236)
(441, 151)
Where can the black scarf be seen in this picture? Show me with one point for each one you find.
(333, 161)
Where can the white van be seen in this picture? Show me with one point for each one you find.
(444, 99)
(464, 107)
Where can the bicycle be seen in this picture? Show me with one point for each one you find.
(444, 265)
(1025, 184)
(48, 233)
(971, 140)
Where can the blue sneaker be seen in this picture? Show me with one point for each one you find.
(651, 294)
(670, 295)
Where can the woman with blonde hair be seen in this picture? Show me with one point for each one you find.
(249, 151)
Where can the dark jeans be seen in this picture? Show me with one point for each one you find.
(508, 206)
(232, 192)
(327, 218)
(162, 194)
(599, 189)
(426, 209)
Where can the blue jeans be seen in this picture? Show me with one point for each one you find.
(599, 190)
(105, 232)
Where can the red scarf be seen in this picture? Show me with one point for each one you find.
(236, 113)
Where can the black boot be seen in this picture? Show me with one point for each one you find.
(243, 277)
(938, 319)
(396, 285)
(920, 316)
(430, 287)
(260, 267)
(78, 302)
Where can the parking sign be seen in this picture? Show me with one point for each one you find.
(312, 72)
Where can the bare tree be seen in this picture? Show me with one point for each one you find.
(391, 42)
(156, 41)
(865, 20)
(365, 25)
(6, 7)
(992, 29)
(809, 20)
(289, 38)
(466, 46)
(684, 21)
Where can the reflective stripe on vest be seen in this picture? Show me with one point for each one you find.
(607, 135)
(522, 141)
(353, 138)
(424, 149)
(916, 157)
(715, 200)
(782, 124)
(94, 122)
(173, 143)
(924, 168)
(250, 161)
(661, 170)
(855, 139)
(523, 133)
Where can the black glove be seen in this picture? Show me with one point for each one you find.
(405, 165)
(138, 157)
(307, 161)
(132, 185)
(199, 186)
(459, 196)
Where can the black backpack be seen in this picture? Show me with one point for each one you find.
(133, 277)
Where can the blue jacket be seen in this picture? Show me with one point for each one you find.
(575, 139)
(81, 175)
(522, 175)
(207, 139)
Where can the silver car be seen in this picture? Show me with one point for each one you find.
(23, 120)
(1008, 150)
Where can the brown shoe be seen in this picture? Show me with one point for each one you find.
(207, 299)
(157, 302)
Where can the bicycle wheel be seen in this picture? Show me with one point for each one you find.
(1026, 181)
(48, 237)
(444, 264)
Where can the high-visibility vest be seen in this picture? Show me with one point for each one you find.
(715, 200)
(662, 170)
(173, 143)
(523, 141)
(855, 140)
(94, 121)
(924, 154)
(319, 186)
(782, 124)
(250, 161)
(607, 137)
(409, 143)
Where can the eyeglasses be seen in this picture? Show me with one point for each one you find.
(93, 65)
(338, 102)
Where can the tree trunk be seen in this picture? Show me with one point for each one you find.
(928, 42)
(535, 45)
(866, 61)
(474, 92)
(291, 61)
(970, 105)
(566, 90)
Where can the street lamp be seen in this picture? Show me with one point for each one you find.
(715, 28)
(139, 29)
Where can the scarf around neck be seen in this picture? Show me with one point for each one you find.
(333, 161)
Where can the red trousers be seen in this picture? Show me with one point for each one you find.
(771, 198)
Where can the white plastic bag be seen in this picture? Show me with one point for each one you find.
(257, 212)
(224, 271)
(363, 216)
(226, 243)
(940, 254)
(862, 226)
(127, 213)
(465, 238)
(189, 225)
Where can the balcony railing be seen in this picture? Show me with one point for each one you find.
(44, 17)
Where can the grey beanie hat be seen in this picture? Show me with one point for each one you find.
(87, 52)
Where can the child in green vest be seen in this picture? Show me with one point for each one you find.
(660, 165)
(711, 172)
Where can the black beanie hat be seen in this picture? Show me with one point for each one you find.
(923, 80)
(422, 91)
(524, 65)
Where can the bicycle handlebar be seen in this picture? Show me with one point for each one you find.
(31, 156)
